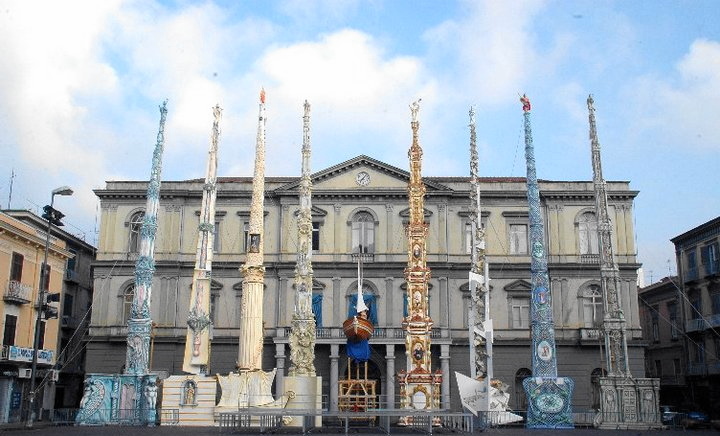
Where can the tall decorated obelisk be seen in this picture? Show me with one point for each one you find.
(194, 393)
(626, 402)
(549, 396)
(479, 316)
(302, 334)
(420, 388)
(133, 394)
(197, 341)
(302, 378)
(253, 271)
(250, 386)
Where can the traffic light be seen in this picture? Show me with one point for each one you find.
(53, 215)
(49, 311)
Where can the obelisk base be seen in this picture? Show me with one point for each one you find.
(549, 402)
(420, 391)
(308, 397)
(121, 399)
(193, 396)
(629, 403)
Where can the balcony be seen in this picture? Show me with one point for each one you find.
(329, 333)
(696, 368)
(712, 268)
(592, 259)
(696, 325)
(71, 276)
(18, 293)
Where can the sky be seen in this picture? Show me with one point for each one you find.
(81, 83)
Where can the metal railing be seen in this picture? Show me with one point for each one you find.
(17, 292)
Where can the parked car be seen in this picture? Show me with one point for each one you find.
(694, 419)
(669, 415)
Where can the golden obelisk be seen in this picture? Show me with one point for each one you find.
(419, 386)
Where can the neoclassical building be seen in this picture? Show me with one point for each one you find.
(361, 206)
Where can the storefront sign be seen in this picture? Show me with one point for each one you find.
(20, 354)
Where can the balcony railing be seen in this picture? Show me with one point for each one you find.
(712, 268)
(590, 334)
(16, 292)
(696, 325)
(697, 368)
(590, 258)
(380, 333)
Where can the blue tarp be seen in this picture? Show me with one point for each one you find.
(359, 351)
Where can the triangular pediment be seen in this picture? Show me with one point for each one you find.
(519, 286)
(361, 174)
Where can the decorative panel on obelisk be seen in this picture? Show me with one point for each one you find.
(626, 402)
(130, 398)
(302, 379)
(193, 395)
(419, 386)
(549, 396)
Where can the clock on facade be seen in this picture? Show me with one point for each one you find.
(362, 178)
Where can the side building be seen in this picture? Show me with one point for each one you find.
(697, 253)
(361, 205)
(73, 312)
(22, 249)
(665, 356)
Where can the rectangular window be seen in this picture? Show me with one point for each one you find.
(695, 306)
(709, 258)
(468, 238)
(16, 267)
(71, 262)
(68, 305)
(520, 309)
(691, 258)
(46, 277)
(10, 327)
(216, 237)
(658, 368)
(315, 236)
(41, 342)
(246, 237)
(672, 314)
(518, 239)
(676, 366)
(655, 325)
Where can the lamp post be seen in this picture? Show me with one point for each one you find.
(44, 281)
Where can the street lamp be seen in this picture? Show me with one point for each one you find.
(44, 280)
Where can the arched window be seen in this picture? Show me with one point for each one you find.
(370, 302)
(595, 385)
(134, 238)
(588, 233)
(592, 306)
(128, 296)
(363, 233)
(521, 397)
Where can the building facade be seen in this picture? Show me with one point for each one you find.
(22, 249)
(665, 356)
(697, 254)
(361, 205)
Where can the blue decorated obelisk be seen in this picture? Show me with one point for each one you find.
(130, 398)
(549, 396)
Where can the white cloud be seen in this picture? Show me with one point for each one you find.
(490, 52)
(679, 109)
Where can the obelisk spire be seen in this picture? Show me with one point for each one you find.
(549, 396)
(614, 321)
(140, 324)
(197, 342)
(253, 272)
(480, 343)
(302, 334)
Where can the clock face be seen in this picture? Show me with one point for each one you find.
(362, 178)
